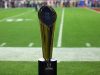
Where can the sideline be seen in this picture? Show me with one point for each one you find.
(93, 10)
(62, 54)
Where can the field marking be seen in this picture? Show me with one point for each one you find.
(93, 10)
(9, 20)
(61, 30)
(15, 16)
(31, 44)
(17, 20)
(28, 19)
(88, 44)
(3, 44)
(61, 54)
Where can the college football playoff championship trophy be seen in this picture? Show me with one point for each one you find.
(47, 17)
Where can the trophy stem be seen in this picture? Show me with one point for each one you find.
(47, 68)
(47, 18)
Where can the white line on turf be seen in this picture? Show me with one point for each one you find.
(28, 19)
(19, 20)
(9, 20)
(61, 54)
(3, 44)
(15, 16)
(31, 44)
(60, 30)
(88, 44)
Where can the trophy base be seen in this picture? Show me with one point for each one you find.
(47, 68)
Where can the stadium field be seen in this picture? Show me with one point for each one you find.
(75, 27)
(30, 68)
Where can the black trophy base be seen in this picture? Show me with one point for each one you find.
(47, 68)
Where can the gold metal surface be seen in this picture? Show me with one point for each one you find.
(47, 34)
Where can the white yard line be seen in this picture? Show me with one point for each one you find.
(61, 54)
(9, 20)
(17, 20)
(31, 44)
(3, 44)
(88, 44)
(61, 30)
(16, 15)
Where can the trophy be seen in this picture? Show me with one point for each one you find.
(47, 18)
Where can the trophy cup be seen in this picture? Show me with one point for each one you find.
(47, 18)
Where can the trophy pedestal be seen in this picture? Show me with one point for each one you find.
(47, 68)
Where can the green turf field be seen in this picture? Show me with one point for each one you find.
(64, 68)
(81, 26)
(19, 27)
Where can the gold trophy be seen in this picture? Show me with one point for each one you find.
(47, 18)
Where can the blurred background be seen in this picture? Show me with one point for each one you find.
(54, 3)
